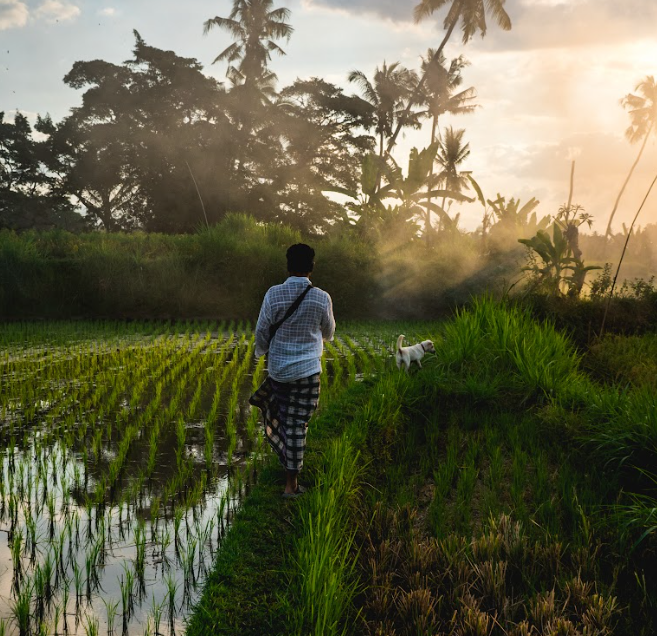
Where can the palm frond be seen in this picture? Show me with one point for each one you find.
(426, 8)
(496, 9)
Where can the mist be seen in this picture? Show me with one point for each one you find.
(158, 140)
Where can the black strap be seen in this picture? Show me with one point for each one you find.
(290, 310)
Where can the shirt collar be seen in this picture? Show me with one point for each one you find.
(294, 279)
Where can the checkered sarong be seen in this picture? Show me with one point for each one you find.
(286, 408)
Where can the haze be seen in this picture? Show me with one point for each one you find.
(549, 90)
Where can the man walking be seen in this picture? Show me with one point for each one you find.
(295, 319)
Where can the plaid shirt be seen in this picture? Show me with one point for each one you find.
(296, 350)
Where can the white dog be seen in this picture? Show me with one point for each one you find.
(414, 353)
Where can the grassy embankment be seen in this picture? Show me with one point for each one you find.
(489, 493)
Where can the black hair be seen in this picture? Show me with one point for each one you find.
(300, 258)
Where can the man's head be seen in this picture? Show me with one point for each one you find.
(300, 259)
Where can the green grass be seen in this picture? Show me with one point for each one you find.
(506, 463)
(475, 442)
(473, 496)
(245, 593)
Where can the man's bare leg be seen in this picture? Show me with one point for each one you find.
(291, 481)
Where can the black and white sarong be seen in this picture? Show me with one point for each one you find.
(286, 408)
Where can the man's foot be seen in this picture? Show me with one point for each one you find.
(296, 493)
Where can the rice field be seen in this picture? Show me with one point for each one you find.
(125, 449)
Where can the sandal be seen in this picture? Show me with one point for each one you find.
(297, 493)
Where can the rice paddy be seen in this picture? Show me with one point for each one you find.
(125, 450)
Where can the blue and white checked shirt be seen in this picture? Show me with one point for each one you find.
(296, 350)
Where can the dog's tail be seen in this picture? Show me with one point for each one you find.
(400, 340)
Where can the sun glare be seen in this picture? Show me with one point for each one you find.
(644, 55)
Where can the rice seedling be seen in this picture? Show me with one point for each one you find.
(157, 610)
(57, 613)
(111, 608)
(78, 580)
(16, 552)
(172, 588)
(65, 597)
(188, 564)
(21, 607)
(126, 584)
(177, 521)
(48, 570)
(92, 626)
(140, 557)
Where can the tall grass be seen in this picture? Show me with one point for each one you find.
(324, 559)
(222, 271)
(534, 359)
(323, 555)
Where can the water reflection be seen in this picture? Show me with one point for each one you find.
(86, 547)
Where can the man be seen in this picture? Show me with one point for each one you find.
(289, 395)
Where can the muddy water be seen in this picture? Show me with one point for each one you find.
(136, 562)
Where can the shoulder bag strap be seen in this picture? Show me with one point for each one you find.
(290, 310)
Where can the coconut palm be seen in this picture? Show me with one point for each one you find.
(440, 98)
(254, 26)
(386, 94)
(452, 152)
(643, 120)
(472, 16)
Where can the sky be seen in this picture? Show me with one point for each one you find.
(548, 91)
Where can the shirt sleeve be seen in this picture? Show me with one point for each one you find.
(262, 328)
(328, 321)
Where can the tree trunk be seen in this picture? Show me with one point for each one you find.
(427, 227)
(418, 89)
(105, 213)
(379, 172)
(629, 176)
(572, 185)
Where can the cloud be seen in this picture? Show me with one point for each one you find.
(56, 11)
(536, 23)
(108, 11)
(541, 24)
(13, 14)
(391, 9)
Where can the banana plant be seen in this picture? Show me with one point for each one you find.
(419, 186)
(414, 192)
(508, 221)
(559, 271)
(524, 218)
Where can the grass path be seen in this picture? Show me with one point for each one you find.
(252, 588)
(243, 595)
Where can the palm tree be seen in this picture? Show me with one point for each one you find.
(643, 117)
(472, 15)
(254, 26)
(440, 98)
(451, 154)
(386, 95)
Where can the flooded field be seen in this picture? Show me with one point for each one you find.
(124, 452)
